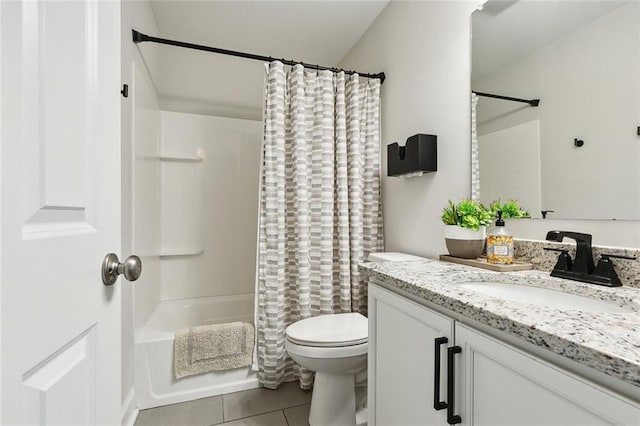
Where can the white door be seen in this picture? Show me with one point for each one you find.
(60, 171)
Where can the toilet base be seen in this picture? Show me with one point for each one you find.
(333, 402)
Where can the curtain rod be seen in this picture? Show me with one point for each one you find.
(532, 102)
(138, 37)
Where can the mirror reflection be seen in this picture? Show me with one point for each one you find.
(577, 154)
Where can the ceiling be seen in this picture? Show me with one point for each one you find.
(504, 31)
(319, 32)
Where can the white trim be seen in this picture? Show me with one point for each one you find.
(129, 410)
(2, 65)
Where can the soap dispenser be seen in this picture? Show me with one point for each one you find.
(499, 244)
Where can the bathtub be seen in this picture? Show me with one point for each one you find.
(153, 351)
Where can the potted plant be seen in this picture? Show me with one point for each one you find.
(510, 210)
(465, 229)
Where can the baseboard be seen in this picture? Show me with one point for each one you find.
(129, 410)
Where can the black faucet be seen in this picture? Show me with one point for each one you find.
(582, 268)
(583, 262)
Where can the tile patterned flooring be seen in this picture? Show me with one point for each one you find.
(287, 406)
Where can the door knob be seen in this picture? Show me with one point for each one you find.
(112, 267)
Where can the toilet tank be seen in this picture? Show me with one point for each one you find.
(392, 257)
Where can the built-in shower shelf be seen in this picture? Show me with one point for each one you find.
(190, 251)
(176, 159)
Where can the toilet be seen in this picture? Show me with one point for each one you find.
(335, 348)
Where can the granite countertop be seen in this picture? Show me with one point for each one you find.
(606, 342)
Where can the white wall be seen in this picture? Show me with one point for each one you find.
(588, 82)
(210, 206)
(424, 48)
(140, 189)
(511, 171)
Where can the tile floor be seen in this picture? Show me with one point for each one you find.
(287, 406)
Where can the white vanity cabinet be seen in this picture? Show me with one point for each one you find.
(493, 383)
(402, 338)
(503, 385)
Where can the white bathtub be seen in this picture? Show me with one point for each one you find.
(153, 353)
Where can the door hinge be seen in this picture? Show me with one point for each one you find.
(125, 90)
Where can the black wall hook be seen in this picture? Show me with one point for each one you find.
(578, 142)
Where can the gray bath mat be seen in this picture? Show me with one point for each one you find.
(214, 347)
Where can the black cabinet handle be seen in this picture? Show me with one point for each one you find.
(437, 404)
(452, 418)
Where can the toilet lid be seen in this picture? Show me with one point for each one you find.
(330, 330)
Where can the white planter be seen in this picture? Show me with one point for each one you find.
(455, 232)
(463, 242)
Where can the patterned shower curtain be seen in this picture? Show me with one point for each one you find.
(320, 211)
(475, 160)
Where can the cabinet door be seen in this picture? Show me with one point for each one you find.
(497, 384)
(401, 360)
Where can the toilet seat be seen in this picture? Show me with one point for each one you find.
(326, 352)
(330, 331)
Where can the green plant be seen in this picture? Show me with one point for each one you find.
(466, 214)
(510, 210)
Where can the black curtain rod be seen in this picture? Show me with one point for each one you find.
(532, 102)
(138, 37)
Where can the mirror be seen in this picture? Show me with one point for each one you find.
(577, 154)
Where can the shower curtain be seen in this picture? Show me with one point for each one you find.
(320, 212)
(475, 160)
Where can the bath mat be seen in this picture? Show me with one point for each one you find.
(214, 347)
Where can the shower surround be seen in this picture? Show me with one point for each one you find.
(196, 222)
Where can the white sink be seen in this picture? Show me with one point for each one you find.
(542, 297)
